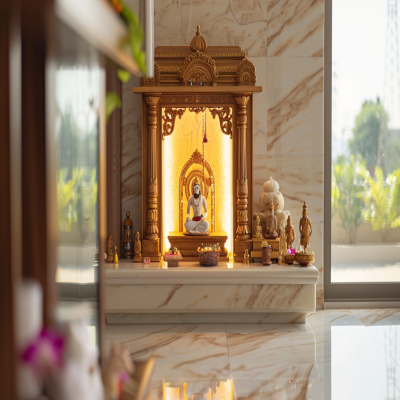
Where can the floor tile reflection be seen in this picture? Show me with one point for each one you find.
(337, 355)
(390, 316)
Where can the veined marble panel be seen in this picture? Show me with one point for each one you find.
(259, 177)
(260, 106)
(227, 22)
(272, 352)
(300, 179)
(295, 28)
(295, 106)
(209, 298)
(131, 150)
(167, 23)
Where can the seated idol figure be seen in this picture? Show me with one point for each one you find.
(197, 224)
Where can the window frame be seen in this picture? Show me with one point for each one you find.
(342, 291)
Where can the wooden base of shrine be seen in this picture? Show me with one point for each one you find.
(187, 245)
(275, 247)
(151, 249)
(240, 247)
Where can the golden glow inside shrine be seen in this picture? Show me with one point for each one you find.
(182, 164)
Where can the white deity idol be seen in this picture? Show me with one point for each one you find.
(197, 224)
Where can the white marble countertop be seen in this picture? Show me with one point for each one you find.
(190, 272)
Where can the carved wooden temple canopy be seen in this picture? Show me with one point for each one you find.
(196, 77)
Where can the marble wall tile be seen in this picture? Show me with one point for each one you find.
(259, 177)
(260, 101)
(131, 149)
(300, 179)
(227, 23)
(295, 106)
(167, 23)
(295, 28)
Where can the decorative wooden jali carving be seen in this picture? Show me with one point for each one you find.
(169, 117)
(225, 119)
(197, 77)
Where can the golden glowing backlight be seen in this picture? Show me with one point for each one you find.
(219, 390)
(176, 151)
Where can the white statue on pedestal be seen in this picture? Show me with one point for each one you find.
(272, 195)
(197, 224)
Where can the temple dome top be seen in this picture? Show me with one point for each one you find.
(198, 43)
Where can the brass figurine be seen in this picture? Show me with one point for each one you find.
(271, 224)
(110, 249)
(290, 233)
(280, 259)
(258, 232)
(127, 243)
(138, 248)
(116, 261)
(305, 229)
(246, 257)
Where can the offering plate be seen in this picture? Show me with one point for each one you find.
(304, 258)
(172, 259)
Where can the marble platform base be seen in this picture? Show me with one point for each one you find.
(228, 293)
(207, 318)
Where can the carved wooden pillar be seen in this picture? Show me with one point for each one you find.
(151, 240)
(242, 230)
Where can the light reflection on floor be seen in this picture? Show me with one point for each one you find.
(339, 354)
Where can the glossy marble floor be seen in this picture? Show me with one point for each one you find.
(338, 354)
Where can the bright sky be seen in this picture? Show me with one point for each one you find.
(358, 53)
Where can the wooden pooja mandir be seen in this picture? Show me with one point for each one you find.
(223, 80)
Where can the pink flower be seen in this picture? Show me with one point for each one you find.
(45, 352)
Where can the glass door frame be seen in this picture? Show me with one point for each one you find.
(340, 292)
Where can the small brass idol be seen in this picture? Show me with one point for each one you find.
(116, 260)
(110, 249)
(290, 233)
(305, 229)
(271, 224)
(258, 233)
(246, 257)
(280, 259)
(138, 248)
(127, 243)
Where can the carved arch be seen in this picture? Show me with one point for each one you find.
(198, 67)
(246, 73)
(208, 185)
(155, 81)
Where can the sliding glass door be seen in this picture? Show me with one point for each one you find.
(362, 150)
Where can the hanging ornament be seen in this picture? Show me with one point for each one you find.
(204, 139)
